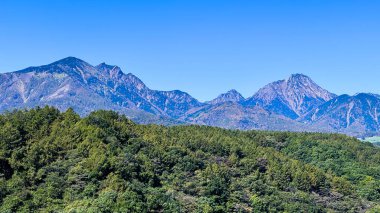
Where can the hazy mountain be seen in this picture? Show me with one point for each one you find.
(348, 114)
(292, 97)
(294, 104)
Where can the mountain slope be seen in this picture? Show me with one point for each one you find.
(292, 97)
(168, 103)
(348, 114)
(233, 115)
(71, 82)
(60, 84)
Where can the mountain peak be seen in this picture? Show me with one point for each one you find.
(300, 78)
(70, 61)
(366, 97)
(233, 91)
(230, 96)
(292, 97)
(303, 85)
(70, 65)
(365, 94)
(283, 104)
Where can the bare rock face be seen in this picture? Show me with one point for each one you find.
(292, 97)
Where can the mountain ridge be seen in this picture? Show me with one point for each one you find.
(293, 104)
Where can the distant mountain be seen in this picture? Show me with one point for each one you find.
(66, 83)
(294, 104)
(74, 83)
(292, 97)
(230, 96)
(348, 114)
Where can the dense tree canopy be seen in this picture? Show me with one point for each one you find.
(59, 162)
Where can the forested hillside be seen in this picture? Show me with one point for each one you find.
(59, 162)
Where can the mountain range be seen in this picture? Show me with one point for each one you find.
(293, 104)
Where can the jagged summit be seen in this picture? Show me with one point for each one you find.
(234, 92)
(112, 71)
(104, 65)
(291, 97)
(298, 76)
(306, 85)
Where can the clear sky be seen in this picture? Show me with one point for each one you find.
(202, 47)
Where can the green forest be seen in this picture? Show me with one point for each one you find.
(53, 161)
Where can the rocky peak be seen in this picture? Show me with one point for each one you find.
(104, 66)
(302, 85)
(298, 77)
(293, 97)
(230, 96)
(111, 71)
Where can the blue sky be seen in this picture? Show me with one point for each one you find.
(202, 47)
